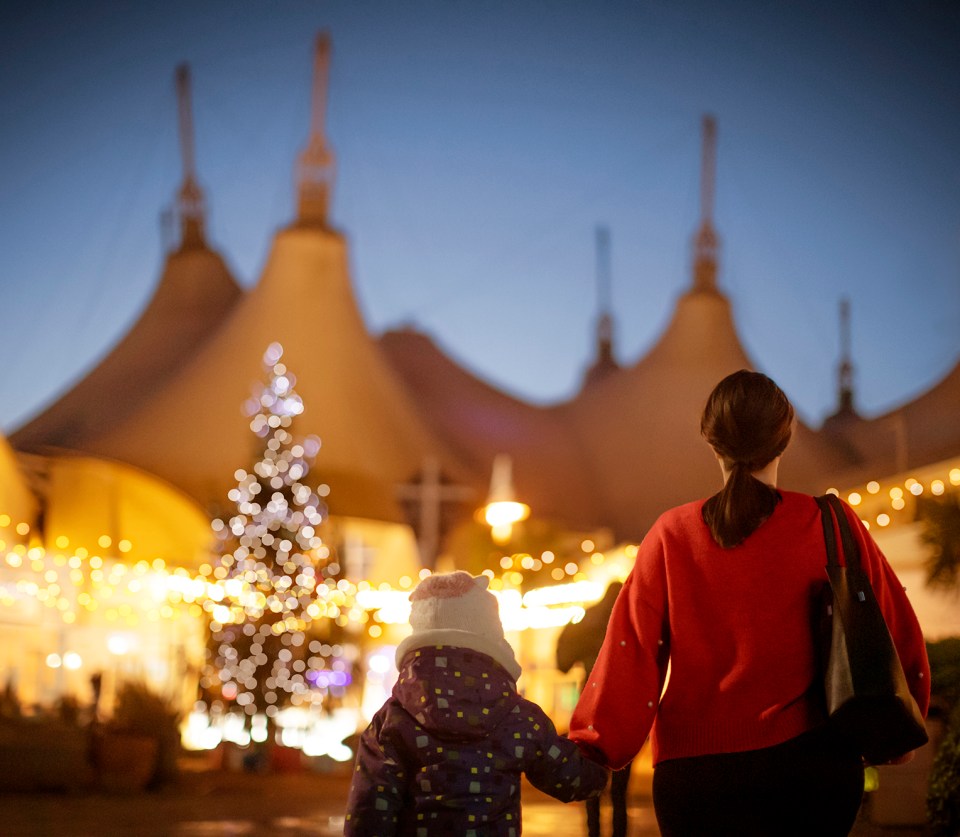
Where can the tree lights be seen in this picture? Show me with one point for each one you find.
(277, 575)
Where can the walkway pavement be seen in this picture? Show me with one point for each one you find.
(215, 803)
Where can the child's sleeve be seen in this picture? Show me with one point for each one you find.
(558, 767)
(378, 789)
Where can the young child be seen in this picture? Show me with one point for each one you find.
(444, 754)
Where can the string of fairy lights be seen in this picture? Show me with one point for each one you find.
(882, 504)
(77, 583)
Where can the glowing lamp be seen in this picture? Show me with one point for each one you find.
(502, 510)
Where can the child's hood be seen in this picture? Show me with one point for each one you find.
(454, 692)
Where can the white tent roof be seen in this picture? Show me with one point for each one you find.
(641, 426)
(549, 470)
(195, 293)
(192, 432)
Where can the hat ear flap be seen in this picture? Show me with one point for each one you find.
(482, 581)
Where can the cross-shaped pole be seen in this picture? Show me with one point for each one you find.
(429, 493)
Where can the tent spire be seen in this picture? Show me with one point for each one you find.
(706, 242)
(315, 166)
(845, 368)
(604, 362)
(190, 201)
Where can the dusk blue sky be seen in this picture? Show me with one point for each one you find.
(479, 144)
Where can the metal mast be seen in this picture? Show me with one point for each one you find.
(315, 167)
(845, 368)
(604, 283)
(706, 242)
(604, 363)
(190, 201)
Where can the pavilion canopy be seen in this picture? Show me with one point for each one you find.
(917, 433)
(628, 446)
(478, 422)
(195, 293)
(192, 432)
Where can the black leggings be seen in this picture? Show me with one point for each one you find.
(619, 782)
(811, 785)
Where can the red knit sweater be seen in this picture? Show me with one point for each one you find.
(735, 625)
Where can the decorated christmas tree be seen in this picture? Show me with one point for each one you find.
(276, 574)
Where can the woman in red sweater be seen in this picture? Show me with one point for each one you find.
(723, 591)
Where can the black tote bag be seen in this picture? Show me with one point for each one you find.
(866, 692)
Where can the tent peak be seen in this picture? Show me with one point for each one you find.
(315, 166)
(706, 240)
(190, 199)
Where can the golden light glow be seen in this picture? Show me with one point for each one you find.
(502, 516)
(505, 513)
(577, 592)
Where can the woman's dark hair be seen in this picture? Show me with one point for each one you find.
(747, 421)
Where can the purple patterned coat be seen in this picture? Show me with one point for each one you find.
(444, 754)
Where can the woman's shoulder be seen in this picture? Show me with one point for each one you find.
(798, 504)
(688, 517)
(679, 516)
(796, 499)
(679, 519)
(682, 513)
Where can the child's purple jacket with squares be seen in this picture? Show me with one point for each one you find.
(445, 753)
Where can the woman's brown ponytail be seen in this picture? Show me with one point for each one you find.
(748, 422)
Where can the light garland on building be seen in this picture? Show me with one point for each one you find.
(890, 502)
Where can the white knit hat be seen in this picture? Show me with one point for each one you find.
(457, 609)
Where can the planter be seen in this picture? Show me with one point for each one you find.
(42, 755)
(126, 761)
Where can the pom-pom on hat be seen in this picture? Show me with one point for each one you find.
(457, 609)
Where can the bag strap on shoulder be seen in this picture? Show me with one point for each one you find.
(851, 551)
(829, 536)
